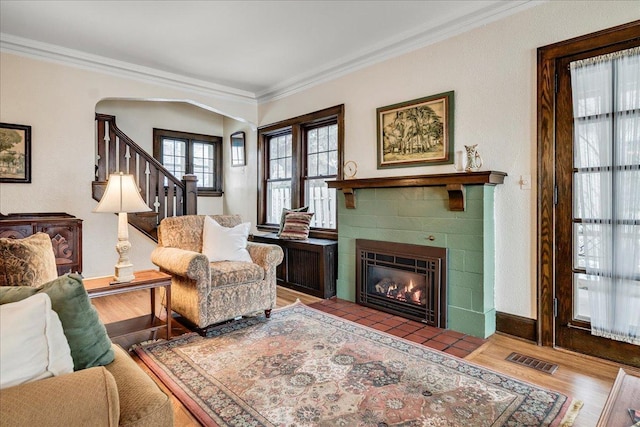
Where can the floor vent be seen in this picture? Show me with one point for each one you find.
(532, 362)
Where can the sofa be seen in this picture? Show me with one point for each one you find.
(117, 394)
(99, 385)
(206, 292)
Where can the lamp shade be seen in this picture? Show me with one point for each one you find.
(121, 195)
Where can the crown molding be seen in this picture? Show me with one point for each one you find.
(61, 55)
(404, 43)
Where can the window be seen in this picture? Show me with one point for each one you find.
(188, 153)
(297, 157)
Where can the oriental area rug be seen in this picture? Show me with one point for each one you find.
(304, 367)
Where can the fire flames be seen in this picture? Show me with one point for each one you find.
(407, 292)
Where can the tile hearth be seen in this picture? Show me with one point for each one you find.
(451, 342)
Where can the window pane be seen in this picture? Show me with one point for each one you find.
(279, 160)
(333, 137)
(278, 198)
(312, 166)
(288, 145)
(322, 202)
(173, 157)
(203, 164)
(592, 195)
(333, 163)
(323, 139)
(322, 151)
(593, 143)
(578, 246)
(312, 138)
(581, 296)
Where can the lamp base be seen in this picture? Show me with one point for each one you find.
(124, 273)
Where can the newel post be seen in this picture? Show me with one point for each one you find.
(190, 194)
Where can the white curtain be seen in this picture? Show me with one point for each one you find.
(606, 110)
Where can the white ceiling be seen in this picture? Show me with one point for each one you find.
(252, 49)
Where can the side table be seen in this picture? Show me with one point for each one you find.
(146, 279)
(624, 394)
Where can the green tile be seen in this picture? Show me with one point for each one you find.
(466, 280)
(473, 262)
(407, 194)
(465, 242)
(460, 297)
(436, 193)
(453, 225)
(456, 259)
(481, 325)
(359, 221)
(399, 223)
(376, 207)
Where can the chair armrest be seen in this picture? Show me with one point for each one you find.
(265, 255)
(82, 398)
(180, 262)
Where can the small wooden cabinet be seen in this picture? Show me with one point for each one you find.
(309, 266)
(65, 231)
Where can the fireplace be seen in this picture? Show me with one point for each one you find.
(403, 279)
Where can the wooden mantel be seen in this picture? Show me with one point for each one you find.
(454, 182)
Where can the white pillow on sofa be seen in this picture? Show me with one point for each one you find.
(225, 243)
(32, 343)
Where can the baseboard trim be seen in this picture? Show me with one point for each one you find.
(518, 326)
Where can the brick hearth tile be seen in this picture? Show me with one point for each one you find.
(381, 327)
(350, 316)
(379, 317)
(393, 321)
(446, 339)
(409, 327)
(436, 344)
(415, 338)
(365, 321)
(398, 332)
(465, 345)
(457, 352)
(338, 313)
(428, 332)
(454, 334)
(474, 340)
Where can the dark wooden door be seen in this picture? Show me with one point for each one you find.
(572, 323)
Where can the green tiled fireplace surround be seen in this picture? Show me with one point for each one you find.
(412, 215)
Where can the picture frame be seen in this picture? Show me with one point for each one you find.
(416, 133)
(15, 153)
(238, 157)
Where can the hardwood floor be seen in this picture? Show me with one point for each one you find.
(582, 377)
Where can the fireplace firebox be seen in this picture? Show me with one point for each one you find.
(403, 279)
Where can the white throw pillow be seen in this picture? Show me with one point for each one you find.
(223, 243)
(32, 342)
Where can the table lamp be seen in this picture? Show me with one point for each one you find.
(122, 196)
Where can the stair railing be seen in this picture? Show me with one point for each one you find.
(165, 194)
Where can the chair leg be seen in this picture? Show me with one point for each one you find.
(267, 313)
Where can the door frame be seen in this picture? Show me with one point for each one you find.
(546, 129)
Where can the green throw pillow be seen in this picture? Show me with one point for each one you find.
(87, 336)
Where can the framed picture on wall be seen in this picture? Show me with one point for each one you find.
(416, 133)
(15, 153)
(237, 149)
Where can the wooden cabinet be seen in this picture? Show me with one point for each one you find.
(65, 231)
(309, 266)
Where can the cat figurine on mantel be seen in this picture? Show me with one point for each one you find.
(474, 161)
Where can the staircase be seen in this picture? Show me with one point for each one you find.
(165, 194)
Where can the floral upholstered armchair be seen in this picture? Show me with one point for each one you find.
(207, 292)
